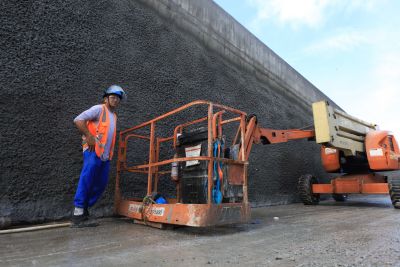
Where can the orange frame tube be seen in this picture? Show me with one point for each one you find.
(354, 184)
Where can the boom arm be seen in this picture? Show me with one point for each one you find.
(381, 146)
(255, 135)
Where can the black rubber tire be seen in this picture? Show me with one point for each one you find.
(305, 189)
(394, 191)
(340, 197)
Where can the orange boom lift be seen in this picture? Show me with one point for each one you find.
(356, 149)
(209, 169)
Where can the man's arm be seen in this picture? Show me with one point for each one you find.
(90, 140)
(81, 120)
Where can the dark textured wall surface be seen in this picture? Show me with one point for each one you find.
(58, 56)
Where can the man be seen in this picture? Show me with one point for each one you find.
(98, 128)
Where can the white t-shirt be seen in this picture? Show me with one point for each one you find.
(93, 114)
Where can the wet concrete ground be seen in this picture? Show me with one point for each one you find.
(360, 232)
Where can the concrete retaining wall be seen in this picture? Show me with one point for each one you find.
(217, 30)
(58, 56)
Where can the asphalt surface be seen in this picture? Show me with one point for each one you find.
(361, 232)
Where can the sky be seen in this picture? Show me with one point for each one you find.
(349, 49)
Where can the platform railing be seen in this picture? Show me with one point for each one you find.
(151, 168)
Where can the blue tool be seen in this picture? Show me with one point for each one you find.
(216, 193)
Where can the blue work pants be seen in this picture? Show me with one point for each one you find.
(93, 180)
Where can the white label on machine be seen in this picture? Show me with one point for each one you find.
(157, 211)
(376, 152)
(193, 151)
(135, 208)
(329, 151)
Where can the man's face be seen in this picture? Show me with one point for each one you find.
(113, 100)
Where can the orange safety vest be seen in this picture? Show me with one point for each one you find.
(100, 132)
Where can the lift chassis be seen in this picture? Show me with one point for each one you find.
(356, 149)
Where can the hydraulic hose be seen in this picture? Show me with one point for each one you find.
(35, 228)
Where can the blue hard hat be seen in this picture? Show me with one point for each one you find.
(116, 90)
(161, 200)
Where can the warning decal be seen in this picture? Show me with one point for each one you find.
(157, 211)
(193, 151)
(135, 208)
(376, 152)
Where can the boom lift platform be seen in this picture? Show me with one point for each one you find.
(209, 169)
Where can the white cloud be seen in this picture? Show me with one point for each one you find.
(375, 97)
(345, 40)
(297, 13)
(308, 12)
(362, 4)
(384, 95)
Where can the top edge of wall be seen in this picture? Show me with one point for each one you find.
(221, 32)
